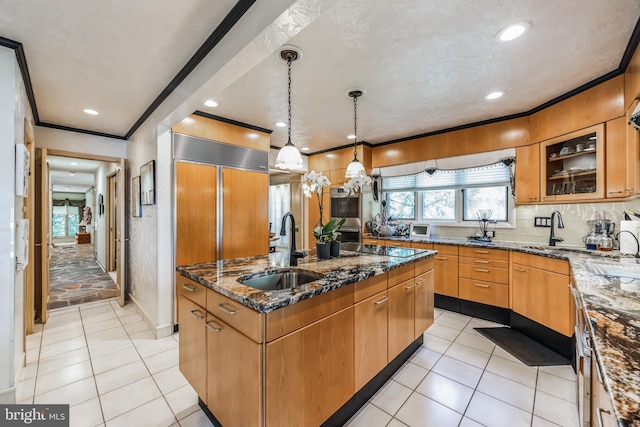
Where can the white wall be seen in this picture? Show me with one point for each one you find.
(100, 225)
(74, 142)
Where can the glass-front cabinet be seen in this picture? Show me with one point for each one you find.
(572, 166)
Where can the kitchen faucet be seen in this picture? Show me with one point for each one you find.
(293, 254)
(552, 238)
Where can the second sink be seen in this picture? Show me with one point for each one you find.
(284, 279)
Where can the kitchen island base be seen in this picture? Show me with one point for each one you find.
(360, 398)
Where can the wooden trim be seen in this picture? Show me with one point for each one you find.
(231, 122)
(216, 130)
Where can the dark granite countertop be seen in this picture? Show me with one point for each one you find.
(612, 305)
(349, 267)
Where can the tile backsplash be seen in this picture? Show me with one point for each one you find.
(574, 216)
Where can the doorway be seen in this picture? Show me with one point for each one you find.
(84, 201)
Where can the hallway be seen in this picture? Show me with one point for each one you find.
(76, 277)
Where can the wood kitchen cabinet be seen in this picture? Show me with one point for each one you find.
(234, 377)
(623, 157)
(370, 337)
(192, 352)
(528, 174)
(540, 291)
(602, 413)
(401, 317)
(446, 270)
(309, 373)
(484, 276)
(570, 174)
(423, 297)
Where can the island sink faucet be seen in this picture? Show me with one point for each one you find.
(293, 254)
(552, 238)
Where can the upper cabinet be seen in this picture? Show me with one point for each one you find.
(572, 166)
(528, 174)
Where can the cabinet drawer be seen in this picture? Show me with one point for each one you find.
(367, 241)
(192, 290)
(559, 266)
(401, 274)
(423, 266)
(236, 315)
(484, 292)
(498, 254)
(398, 243)
(483, 262)
(418, 245)
(488, 274)
(446, 249)
(295, 316)
(369, 287)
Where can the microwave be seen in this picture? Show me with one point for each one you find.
(420, 230)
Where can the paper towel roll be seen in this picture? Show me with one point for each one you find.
(628, 244)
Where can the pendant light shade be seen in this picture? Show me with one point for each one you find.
(355, 168)
(289, 157)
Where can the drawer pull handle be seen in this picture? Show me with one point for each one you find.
(533, 198)
(481, 252)
(599, 411)
(615, 192)
(441, 258)
(210, 324)
(226, 310)
(481, 261)
(628, 189)
(411, 287)
(420, 282)
(197, 314)
(482, 286)
(383, 300)
(188, 288)
(521, 270)
(482, 270)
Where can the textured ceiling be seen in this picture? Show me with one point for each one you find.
(425, 64)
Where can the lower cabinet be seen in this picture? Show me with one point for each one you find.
(234, 377)
(310, 372)
(602, 413)
(192, 351)
(423, 312)
(401, 317)
(446, 270)
(370, 337)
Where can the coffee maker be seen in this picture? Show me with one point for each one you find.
(601, 230)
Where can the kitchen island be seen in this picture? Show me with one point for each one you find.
(611, 305)
(309, 356)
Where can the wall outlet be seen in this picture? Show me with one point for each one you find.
(542, 221)
(491, 234)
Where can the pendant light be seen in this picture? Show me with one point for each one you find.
(289, 157)
(355, 168)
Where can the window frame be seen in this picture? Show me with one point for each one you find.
(506, 195)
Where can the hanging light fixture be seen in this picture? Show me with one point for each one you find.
(355, 168)
(289, 157)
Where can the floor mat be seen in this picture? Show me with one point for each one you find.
(523, 348)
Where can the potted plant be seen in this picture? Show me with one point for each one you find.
(314, 182)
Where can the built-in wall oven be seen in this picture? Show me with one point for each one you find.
(345, 205)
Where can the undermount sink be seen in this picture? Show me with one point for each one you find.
(630, 270)
(284, 279)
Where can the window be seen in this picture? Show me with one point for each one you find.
(279, 204)
(401, 205)
(65, 221)
(493, 198)
(450, 197)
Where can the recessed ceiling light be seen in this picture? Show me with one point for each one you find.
(494, 95)
(210, 103)
(90, 111)
(304, 149)
(513, 31)
(352, 136)
(281, 124)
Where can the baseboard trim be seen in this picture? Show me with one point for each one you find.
(8, 396)
(548, 337)
(484, 311)
(446, 302)
(161, 331)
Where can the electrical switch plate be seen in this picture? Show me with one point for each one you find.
(542, 221)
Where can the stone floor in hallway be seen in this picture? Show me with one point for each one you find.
(104, 362)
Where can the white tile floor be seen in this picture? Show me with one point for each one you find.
(102, 360)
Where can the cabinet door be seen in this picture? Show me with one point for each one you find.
(401, 317)
(602, 413)
(245, 219)
(192, 350)
(370, 337)
(337, 177)
(528, 174)
(633, 155)
(446, 275)
(309, 372)
(542, 296)
(616, 147)
(423, 303)
(234, 385)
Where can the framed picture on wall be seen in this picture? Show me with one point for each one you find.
(136, 207)
(148, 183)
(100, 207)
